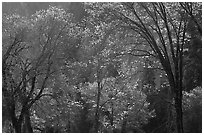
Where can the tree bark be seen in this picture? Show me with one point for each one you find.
(179, 113)
(14, 119)
(97, 108)
(27, 128)
(178, 106)
(112, 114)
(178, 93)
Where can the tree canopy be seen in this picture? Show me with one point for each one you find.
(112, 67)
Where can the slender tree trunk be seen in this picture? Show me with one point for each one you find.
(181, 87)
(68, 124)
(112, 114)
(14, 119)
(27, 128)
(179, 113)
(97, 107)
(178, 94)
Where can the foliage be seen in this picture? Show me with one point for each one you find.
(30, 46)
(163, 28)
(124, 67)
(192, 110)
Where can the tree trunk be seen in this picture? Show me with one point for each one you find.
(178, 94)
(27, 128)
(112, 114)
(178, 107)
(175, 81)
(179, 113)
(14, 120)
(97, 108)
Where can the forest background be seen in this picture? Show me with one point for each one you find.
(101, 67)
